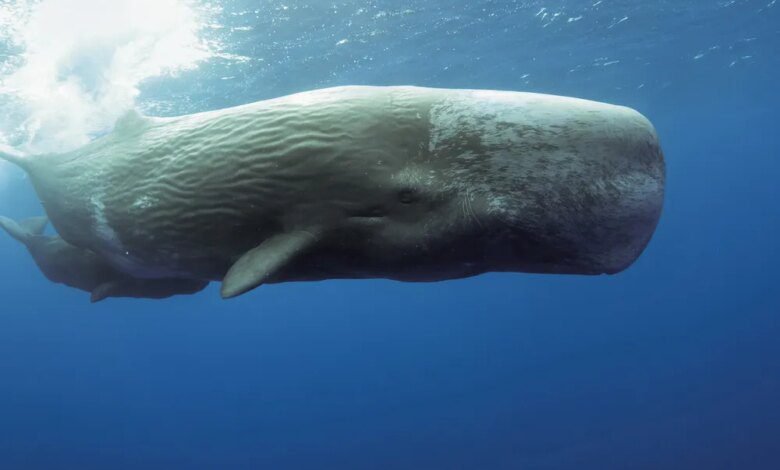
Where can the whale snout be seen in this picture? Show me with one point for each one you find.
(580, 183)
(628, 193)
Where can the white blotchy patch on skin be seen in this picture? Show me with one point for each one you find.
(412, 178)
(480, 113)
(144, 202)
(117, 253)
(102, 228)
(495, 118)
(468, 111)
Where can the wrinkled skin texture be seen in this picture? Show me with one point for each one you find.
(403, 183)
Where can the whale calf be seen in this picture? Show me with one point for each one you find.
(64, 263)
(404, 183)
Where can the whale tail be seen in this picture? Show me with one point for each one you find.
(13, 156)
(25, 230)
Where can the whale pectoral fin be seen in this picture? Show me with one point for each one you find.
(257, 265)
(146, 288)
(102, 292)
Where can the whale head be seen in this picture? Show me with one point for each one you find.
(525, 182)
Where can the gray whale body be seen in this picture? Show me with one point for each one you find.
(405, 183)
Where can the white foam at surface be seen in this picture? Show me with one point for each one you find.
(83, 62)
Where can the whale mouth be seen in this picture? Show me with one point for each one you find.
(369, 216)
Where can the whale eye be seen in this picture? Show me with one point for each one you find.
(408, 196)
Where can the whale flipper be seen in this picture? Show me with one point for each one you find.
(257, 265)
(146, 288)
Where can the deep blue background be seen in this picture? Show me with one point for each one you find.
(673, 364)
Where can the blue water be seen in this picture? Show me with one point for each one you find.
(674, 363)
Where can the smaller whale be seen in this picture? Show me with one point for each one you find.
(82, 269)
(404, 183)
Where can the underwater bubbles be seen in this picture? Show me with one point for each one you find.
(74, 66)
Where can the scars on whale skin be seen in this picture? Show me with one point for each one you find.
(404, 183)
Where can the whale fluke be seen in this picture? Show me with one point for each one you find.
(23, 231)
(259, 264)
(12, 156)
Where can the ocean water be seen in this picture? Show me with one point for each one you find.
(674, 363)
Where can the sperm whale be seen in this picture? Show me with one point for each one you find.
(404, 183)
